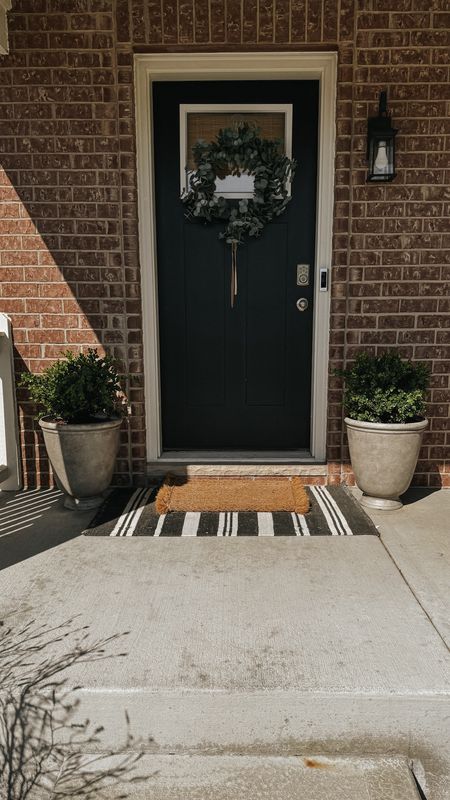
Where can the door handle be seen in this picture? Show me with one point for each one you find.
(302, 304)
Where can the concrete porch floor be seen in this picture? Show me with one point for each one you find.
(253, 647)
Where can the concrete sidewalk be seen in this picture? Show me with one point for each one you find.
(255, 646)
(228, 777)
(418, 540)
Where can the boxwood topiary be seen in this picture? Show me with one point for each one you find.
(81, 388)
(385, 388)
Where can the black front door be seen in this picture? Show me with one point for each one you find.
(235, 378)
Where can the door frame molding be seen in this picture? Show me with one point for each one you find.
(149, 67)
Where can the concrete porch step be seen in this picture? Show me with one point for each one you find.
(264, 778)
(246, 647)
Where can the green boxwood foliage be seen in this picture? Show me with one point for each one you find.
(80, 388)
(385, 388)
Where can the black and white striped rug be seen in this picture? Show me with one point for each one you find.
(130, 512)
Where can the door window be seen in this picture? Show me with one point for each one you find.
(202, 122)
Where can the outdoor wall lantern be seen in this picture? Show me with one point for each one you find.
(381, 144)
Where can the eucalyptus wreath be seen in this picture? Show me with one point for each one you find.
(236, 150)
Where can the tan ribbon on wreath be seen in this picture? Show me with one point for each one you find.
(234, 284)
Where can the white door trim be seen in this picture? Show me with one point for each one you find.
(151, 67)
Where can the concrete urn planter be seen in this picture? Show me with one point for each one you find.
(384, 457)
(83, 458)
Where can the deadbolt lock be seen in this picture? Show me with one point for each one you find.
(302, 304)
(302, 274)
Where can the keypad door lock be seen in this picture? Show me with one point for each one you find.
(302, 274)
(302, 304)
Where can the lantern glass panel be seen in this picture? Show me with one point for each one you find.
(381, 158)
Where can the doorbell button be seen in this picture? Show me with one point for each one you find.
(323, 283)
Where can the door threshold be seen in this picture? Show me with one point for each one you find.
(204, 462)
(238, 456)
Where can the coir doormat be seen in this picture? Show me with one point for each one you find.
(131, 512)
(232, 494)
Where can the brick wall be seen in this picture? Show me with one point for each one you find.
(70, 272)
(395, 272)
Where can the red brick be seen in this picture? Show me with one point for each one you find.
(410, 21)
(314, 21)
(432, 321)
(64, 321)
(410, 56)
(346, 20)
(416, 337)
(8, 305)
(25, 320)
(298, 20)
(46, 336)
(233, 21)
(395, 321)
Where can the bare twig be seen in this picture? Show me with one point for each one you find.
(42, 750)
